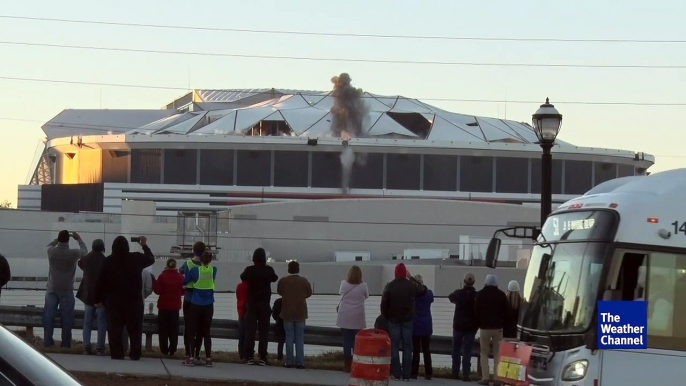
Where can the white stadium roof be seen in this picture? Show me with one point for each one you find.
(303, 113)
(307, 114)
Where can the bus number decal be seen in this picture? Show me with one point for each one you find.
(679, 227)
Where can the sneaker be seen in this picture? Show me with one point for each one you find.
(300, 367)
(189, 362)
(263, 362)
(287, 366)
(208, 362)
(250, 362)
(428, 377)
(100, 353)
(466, 379)
(86, 352)
(198, 362)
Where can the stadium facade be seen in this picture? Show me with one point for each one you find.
(215, 149)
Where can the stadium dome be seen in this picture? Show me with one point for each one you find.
(308, 114)
(215, 149)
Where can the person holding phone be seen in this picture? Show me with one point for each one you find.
(119, 289)
(59, 294)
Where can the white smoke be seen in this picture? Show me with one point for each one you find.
(347, 161)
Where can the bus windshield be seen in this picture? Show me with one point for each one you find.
(561, 284)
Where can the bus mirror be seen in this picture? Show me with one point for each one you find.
(492, 252)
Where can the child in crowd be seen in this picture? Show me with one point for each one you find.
(279, 329)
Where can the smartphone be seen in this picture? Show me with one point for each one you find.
(135, 239)
(71, 234)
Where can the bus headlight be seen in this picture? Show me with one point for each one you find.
(575, 371)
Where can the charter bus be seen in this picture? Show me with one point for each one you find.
(623, 240)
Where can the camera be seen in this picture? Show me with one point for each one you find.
(71, 234)
(135, 239)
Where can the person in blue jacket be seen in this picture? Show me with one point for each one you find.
(422, 329)
(201, 308)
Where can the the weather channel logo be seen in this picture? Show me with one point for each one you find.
(622, 325)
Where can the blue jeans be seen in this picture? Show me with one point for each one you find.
(463, 342)
(401, 333)
(295, 335)
(64, 300)
(348, 342)
(98, 313)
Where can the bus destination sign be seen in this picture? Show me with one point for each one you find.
(579, 225)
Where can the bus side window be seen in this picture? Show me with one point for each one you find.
(629, 282)
(666, 295)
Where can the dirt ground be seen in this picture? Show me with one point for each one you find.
(90, 379)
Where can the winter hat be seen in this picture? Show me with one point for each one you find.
(491, 280)
(469, 279)
(513, 286)
(400, 271)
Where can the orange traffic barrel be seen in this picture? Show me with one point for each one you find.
(372, 359)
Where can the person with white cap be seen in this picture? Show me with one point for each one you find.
(491, 310)
(514, 302)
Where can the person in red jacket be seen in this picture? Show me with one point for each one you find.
(169, 287)
(242, 306)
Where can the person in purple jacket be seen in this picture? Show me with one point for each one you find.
(422, 330)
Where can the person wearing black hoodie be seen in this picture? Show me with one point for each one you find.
(119, 289)
(259, 277)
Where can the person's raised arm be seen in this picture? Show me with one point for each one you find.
(83, 249)
(366, 291)
(146, 258)
(50, 247)
(274, 277)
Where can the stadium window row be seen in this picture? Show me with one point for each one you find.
(321, 169)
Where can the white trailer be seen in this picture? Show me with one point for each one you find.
(421, 254)
(347, 256)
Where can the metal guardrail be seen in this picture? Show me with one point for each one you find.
(31, 317)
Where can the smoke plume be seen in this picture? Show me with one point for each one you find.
(349, 110)
(349, 113)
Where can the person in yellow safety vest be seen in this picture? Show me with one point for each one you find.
(198, 250)
(202, 308)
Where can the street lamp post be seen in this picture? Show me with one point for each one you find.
(546, 121)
